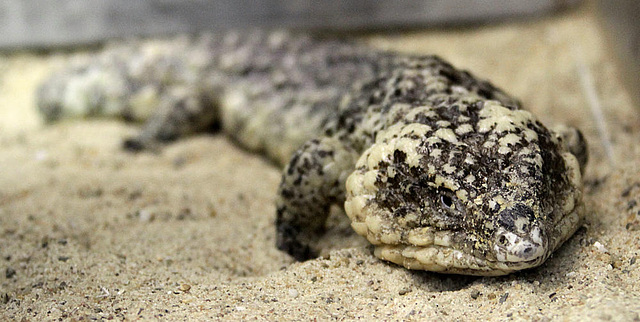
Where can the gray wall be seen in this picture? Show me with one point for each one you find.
(68, 22)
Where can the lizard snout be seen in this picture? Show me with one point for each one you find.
(518, 237)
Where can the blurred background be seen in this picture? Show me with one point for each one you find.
(55, 23)
(65, 22)
(512, 42)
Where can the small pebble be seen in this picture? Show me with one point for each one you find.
(185, 213)
(404, 291)
(145, 215)
(212, 210)
(293, 293)
(503, 298)
(600, 247)
(616, 262)
(135, 194)
(184, 287)
(475, 294)
(10, 272)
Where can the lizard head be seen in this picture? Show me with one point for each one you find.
(468, 187)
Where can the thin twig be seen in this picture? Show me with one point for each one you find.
(591, 95)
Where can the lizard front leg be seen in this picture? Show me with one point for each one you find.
(182, 110)
(573, 141)
(312, 182)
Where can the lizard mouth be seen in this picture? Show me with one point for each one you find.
(523, 251)
(523, 254)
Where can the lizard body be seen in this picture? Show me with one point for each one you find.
(439, 170)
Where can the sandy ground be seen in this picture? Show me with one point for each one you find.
(90, 232)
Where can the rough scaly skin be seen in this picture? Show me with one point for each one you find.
(439, 170)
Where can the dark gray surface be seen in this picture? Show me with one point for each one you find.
(42, 23)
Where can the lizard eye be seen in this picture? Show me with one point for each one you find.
(447, 199)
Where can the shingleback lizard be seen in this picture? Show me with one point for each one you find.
(440, 170)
